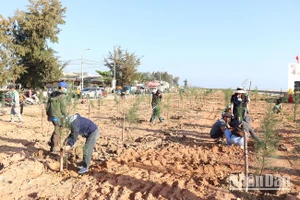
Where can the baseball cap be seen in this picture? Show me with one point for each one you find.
(63, 84)
(11, 86)
(228, 106)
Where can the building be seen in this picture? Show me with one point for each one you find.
(87, 78)
(74, 80)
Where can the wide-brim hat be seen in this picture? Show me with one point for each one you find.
(240, 91)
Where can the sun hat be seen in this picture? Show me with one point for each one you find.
(240, 91)
(63, 84)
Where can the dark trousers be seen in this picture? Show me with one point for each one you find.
(156, 113)
(55, 137)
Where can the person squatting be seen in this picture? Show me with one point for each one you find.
(235, 121)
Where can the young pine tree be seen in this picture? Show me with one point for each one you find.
(270, 139)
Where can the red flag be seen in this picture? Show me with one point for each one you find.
(297, 58)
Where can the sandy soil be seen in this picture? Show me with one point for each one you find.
(175, 159)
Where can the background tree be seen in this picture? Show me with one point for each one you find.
(126, 64)
(148, 76)
(156, 75)
(9, 67)
(163, 76)
(32, 30)
(106, 76)
(140, 77)
(175, 81)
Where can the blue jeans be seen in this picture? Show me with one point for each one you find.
(89, 147)
(233, 139)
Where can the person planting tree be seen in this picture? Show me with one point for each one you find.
(56, 110)
(218, 129)
(86, 128)
(239, 105)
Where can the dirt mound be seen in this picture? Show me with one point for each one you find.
(172, 172)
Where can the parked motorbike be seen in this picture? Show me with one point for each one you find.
(32, 101)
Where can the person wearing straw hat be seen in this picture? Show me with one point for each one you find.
(239, 102)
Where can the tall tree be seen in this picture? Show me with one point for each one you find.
(106, 76)
(167, 77)
(9, 67)
(32, 30)
(124, 64)
(175, 81)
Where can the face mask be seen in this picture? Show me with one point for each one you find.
(65, 90)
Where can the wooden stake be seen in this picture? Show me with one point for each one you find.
(61, 160)
(123, 127)
(42, 119)
(89, 110)
(178, 106)
(67, 155)
(246, 160)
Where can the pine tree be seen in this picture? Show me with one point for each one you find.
(126, 65)
(9, 68)
(32, 30)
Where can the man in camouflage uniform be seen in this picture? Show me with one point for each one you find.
(56, 111)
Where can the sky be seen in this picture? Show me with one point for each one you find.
(212, 44)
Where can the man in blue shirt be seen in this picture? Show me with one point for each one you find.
(86, 128)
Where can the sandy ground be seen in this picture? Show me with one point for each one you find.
(175, 159)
